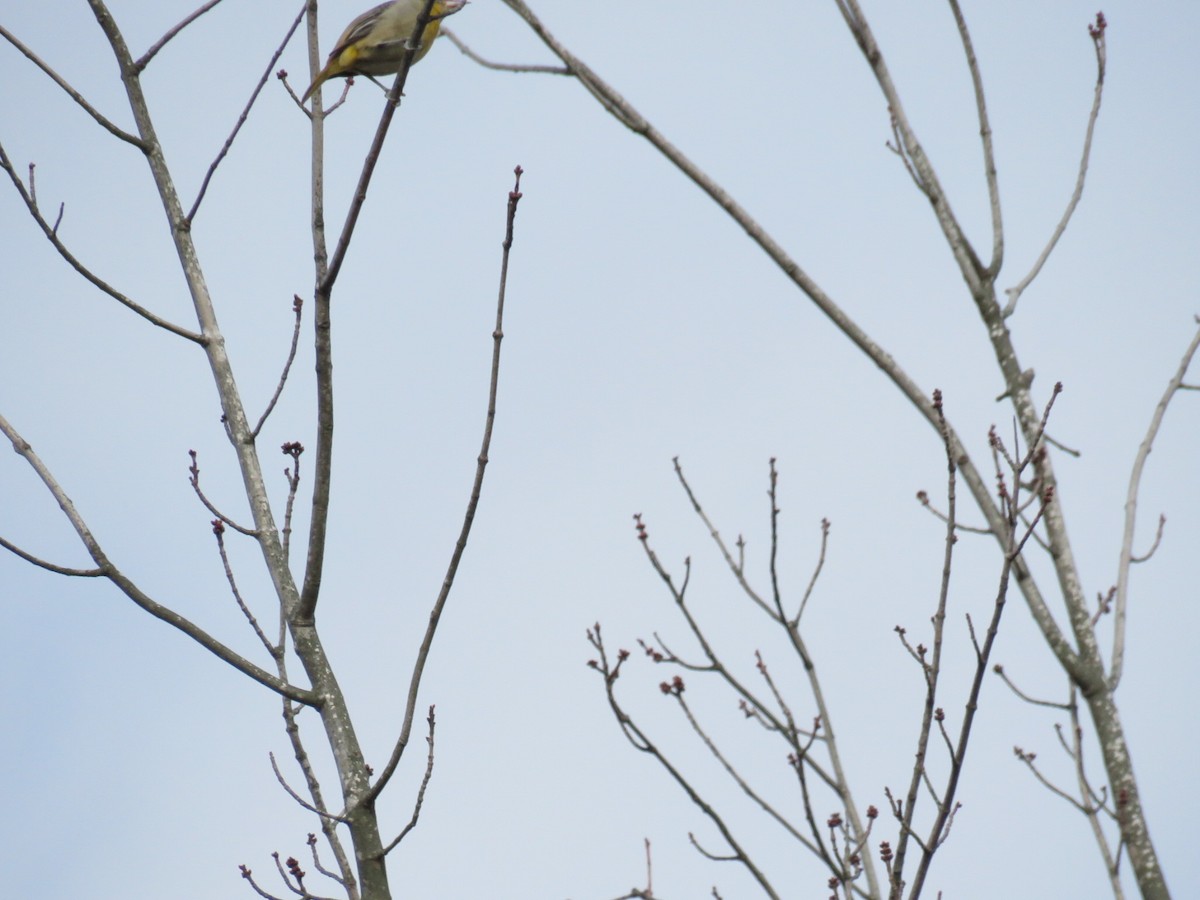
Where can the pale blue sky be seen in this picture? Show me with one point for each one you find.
(641, 324)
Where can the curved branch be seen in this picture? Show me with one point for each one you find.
(300, 800)
(1131, 500)
(144, 59)
(51, 232)
(133, 592)
(297, 311)
(1014, 293)
(435, 614)
(501, 67)
(104, 123)
(221, 154)
(49, 566)
(980, 489)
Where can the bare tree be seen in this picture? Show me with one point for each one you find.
(1023, 515)
(1075, 642)
(348, 820)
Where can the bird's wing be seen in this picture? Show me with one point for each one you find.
(359, 28)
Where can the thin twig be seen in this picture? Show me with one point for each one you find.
(1158, 536)
(372, 158)
(49, 566)
(716, 665)
(737, 568)
(1111, 862)
(295, 450)
(328, 873)
(1131, 501)
(104, 123)
(999, 670)
(1014, 293)
(985, 136)
(297, 309)
(241, 120)
(799, 757)
(794, 622)
(1028, 759)
(51, 232)
(746, 788)
(932, 668)
(144, 59)
(435, 614)
(420, 801)
(219, 533)
(300, 800)
(194, 481)
(497, 66)
(923, 499)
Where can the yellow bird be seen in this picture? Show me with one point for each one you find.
(374, 43)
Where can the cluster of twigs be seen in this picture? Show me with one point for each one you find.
(838, 840)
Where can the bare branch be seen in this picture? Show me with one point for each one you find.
(327, 273)
(144, 59)
(923, 499)
(312, 843)
(628, 116)
(500, 67)
(1028, 758)
(194, 481)
(1131, 500)
(412, 823)
(1158, 536)
(51, 232)
(1094, 804)
(973, 272)
(295, 450)
(812, 582)
(640, 741)
(1014, 293)
(1070, 451)
(985, 136)
(999, 670)
(328, 824)
(300, 800)
(248, 875)
(931, 665)
(72, 93)
(297, 309)
(133, 592)
(219, 532)
(735, 567)
(49, 566)
(368, 170)
(435, 614)
(746, 788)
(223, 152)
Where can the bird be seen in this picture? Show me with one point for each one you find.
(375, 42)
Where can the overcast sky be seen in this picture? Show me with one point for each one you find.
(641, 324)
